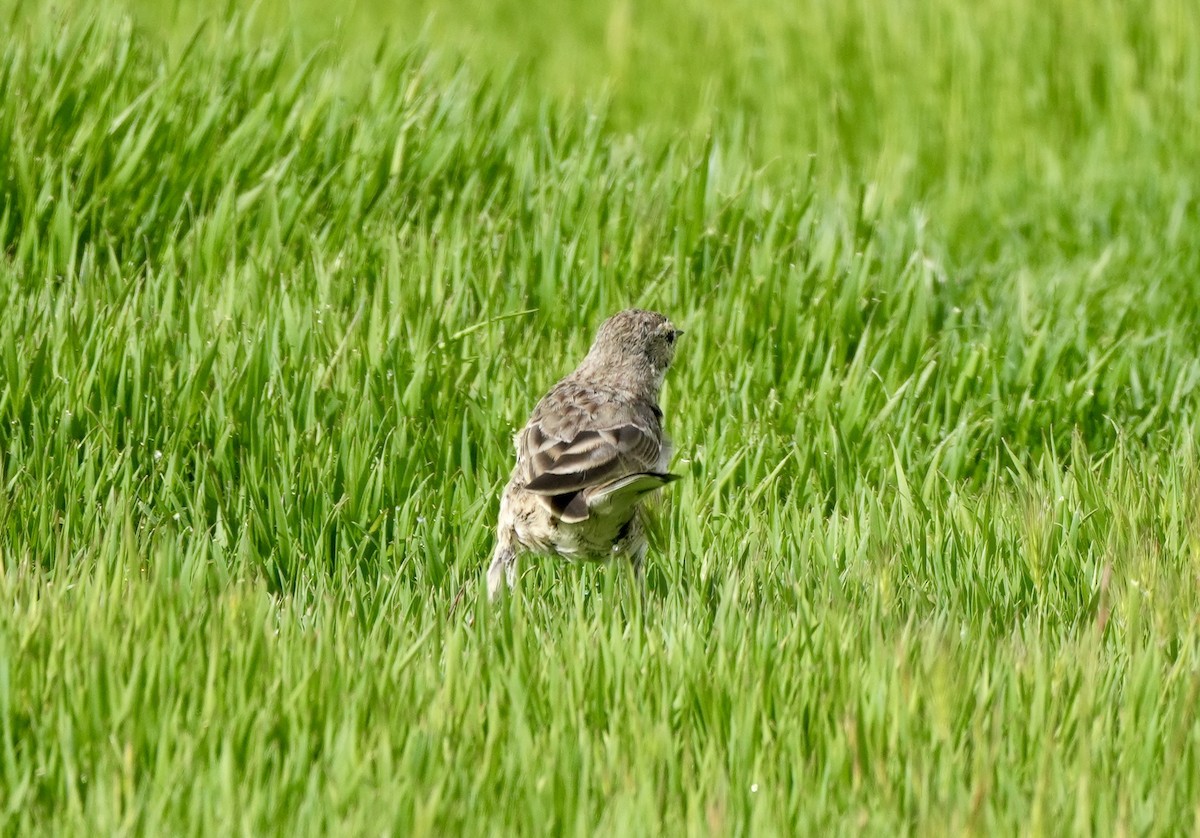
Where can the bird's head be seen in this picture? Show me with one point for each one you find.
(637, 343)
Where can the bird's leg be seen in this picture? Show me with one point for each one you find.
(503, 569)
(637, 560)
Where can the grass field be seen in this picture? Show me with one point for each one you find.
(275, 292)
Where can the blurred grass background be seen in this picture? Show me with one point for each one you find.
(927, 99)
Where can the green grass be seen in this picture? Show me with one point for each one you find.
(277, 292)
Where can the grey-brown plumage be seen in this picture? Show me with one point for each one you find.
(593, 447)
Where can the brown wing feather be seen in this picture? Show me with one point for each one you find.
(572, 466)
(581, 440)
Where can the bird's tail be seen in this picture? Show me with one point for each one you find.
(504, 568)
(620, 495)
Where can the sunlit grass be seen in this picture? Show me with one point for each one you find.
(272, 315)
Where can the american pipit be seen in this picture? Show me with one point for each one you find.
(592, 449)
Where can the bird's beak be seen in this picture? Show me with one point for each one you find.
(678, 332)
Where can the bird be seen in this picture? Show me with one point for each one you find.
(593, 448)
